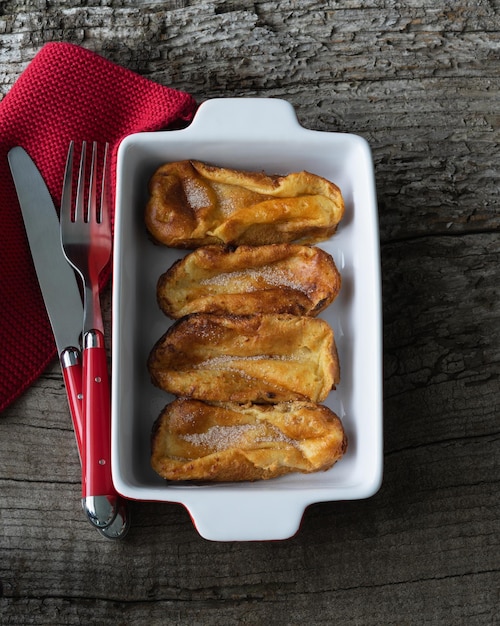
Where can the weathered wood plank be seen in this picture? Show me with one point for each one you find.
(436, 601)
(441, 338)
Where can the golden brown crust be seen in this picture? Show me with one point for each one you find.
(193, 440)
(276, 278)
(258, 358)
(193, 204)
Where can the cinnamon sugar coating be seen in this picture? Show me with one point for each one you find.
(256, 358)
(276, 278)
(193, 204)
(194, 440)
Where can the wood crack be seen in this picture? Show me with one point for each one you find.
(234, 595)
(439, 233)
(438, 443)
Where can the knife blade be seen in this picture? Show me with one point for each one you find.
(61, 296)
(57, 281)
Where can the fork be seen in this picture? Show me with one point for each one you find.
(86, 242)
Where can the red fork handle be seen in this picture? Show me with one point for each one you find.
(107, 513)
(96, 457)
(72, 370)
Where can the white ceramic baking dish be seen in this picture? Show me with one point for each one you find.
(252, 134)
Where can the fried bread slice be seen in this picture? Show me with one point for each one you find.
(255, 358)
(193, 204)
(193, 440)
(276, 278)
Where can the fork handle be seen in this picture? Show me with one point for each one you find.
(103, 511)
(96, 468)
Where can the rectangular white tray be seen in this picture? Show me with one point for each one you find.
(251, 134)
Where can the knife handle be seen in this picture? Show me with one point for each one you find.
(97, 418)
(71, 364)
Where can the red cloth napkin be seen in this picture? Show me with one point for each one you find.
(66, 92)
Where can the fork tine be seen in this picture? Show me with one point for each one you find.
(80, 194)
(92, 201)
(67, 193)
(104, 209)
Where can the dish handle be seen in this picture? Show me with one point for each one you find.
(223, 118)
(249, 516)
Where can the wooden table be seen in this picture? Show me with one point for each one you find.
(420, 81)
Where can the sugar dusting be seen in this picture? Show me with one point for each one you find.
(252, 279)
(276, 436)
(196, 194)
(226, 360)
(226, 205)
(219, 438)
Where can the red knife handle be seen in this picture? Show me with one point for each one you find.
(96, 467)
(71, 364)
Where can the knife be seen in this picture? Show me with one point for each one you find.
(63, 302)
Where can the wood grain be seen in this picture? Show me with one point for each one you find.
(420, 82)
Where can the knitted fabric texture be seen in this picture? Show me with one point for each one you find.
(65, 93)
